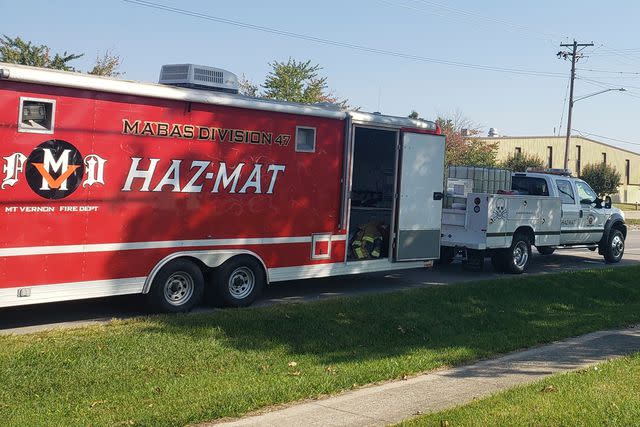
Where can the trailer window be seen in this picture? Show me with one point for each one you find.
(566, 192)
(305, 139)
(36, 115)
(530, 186)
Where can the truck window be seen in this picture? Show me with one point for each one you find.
(585, 193)
(530, 186)
(566, 192)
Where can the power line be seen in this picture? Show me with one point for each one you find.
(606, 137)
(636, 73)
(518, 71)
(469, 14)
(564, 105)
(607, 84)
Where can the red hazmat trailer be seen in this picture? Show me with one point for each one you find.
(112, 187)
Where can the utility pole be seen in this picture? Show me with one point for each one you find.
(574, 58)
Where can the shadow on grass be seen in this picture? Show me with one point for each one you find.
(457, 323)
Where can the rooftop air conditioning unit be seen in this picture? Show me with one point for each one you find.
(199, 77)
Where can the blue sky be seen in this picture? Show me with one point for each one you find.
(501, 34)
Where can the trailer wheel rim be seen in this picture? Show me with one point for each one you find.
(241, 283)
(520, 254)
(179, 288)
(617, 246)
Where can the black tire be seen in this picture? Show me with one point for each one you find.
(447, 254)
(178, 287)
(517, 257)
(497, 261)
(615, 247)
(239, 281)
(545, 250)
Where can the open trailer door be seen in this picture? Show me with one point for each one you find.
(420, 195)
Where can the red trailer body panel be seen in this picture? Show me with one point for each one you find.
(122, 182)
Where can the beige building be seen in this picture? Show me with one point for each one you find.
(583, 151)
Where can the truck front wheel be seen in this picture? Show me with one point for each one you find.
(615, 247)
(516, 258)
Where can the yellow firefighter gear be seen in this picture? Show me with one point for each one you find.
(367, 242)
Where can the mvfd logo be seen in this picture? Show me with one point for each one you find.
(54, 169)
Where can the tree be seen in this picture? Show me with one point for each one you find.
(107, 65)
(462, 148)
(246, 87)
(520, 162)
(18, 51)
(297, 81)
(603, 178)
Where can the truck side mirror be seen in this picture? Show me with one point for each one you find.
(607, 202)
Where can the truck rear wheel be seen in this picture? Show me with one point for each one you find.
(615, 247)
(177, 287)
(239, 281)
(517, 257)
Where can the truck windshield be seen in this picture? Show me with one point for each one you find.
(530, 185)
(585, 193)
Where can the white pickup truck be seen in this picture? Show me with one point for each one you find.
(547, 210)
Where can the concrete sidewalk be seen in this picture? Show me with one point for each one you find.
(395, 401)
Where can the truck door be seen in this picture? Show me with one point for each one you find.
(592, 219)
(420, 193)
(569, 223)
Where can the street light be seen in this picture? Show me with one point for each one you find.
(571, 102)
(598, 93)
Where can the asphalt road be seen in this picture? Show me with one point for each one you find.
(28, 319)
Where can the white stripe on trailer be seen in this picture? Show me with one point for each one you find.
(167, 244)
(71, 291)
(135, 285)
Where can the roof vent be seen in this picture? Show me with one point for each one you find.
(199, 77)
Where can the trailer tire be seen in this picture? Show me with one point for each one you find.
(178, 287)
(239, 281)
(615, 247)
(516, 257)
(545, 250)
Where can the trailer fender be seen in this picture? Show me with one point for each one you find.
(615, 221)
(211, 259)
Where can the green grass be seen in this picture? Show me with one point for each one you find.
(174, 370)
(608, 394)
(625, 206)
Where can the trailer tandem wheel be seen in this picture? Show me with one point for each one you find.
(177, 287)
(239, 281)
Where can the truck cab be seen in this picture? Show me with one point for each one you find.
(586, 220)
